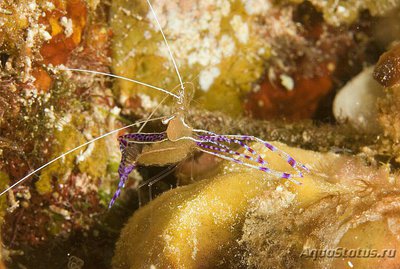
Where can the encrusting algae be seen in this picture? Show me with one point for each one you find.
(215, 43)
(263, 58)
(43, 114)
(348, 205)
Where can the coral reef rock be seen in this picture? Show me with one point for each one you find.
(244, 218)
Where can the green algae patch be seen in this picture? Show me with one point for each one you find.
(67, 139)
(14, 23)
(96, 164)
(4, 181)
(92, 160)
(219, 49)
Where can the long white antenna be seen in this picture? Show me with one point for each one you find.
(70, 151)
(181, 94)
(120, 77)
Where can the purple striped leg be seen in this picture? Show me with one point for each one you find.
(221, 150)
(225, 149)
(239, 140)
(129, 154)
(207, 149)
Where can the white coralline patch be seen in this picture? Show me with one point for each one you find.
(356, 102)
(61, 211)
(30, 37)
(32, 5)
(129, 55)
(343, 11)
(207, 77)
(49, 5)
(241, 29)
(65, 120)
(281, 198)
(287, 82)
(202, 42)
(227, 45)
(147, 35)
(115, 111)
(256, 7)
(51, 118)
(67, 24)
(44, 34)
(84, 184)
(147, 102)
(225, 8)
(85, 154)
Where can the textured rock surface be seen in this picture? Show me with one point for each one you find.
(215, 43)
(346, 12)
(348, 206)
(206, 225)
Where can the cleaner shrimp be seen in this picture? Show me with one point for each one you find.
(179, 139)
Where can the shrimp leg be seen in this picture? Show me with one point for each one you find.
(220, 149)
(129, 155)
(238, 139)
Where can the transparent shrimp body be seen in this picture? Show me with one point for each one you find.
(171, 146)
(179, 140)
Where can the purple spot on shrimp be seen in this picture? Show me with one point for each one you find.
(305, 168)
(270, 147)
(252, 151)
(291, 161)
(286, 175)
(264, 169)
(114, 198)
(125, 171)
(237, 161)
(122, 141)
